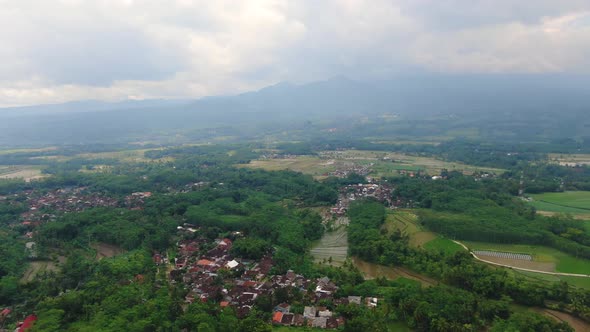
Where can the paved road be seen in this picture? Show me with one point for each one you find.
(520, 268)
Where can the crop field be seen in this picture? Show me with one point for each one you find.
(39, 267)
(563, 262)
(406, 222)
(383, 163)
(569, 159)
(389, 163)
(500, 254)
(565, 201)
(332, 247)
(24, 172)
(304, 164)
(128, 156)
(373, 271)
(10, 151)
(125, 156)
(547, 278)
(443, 244)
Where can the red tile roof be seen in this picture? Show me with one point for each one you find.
(277, 317)
(204, 262)
(28, 323)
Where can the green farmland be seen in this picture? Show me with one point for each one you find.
(566, 202)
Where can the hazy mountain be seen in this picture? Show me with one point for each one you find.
(284, 105)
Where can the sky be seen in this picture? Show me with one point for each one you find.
(58, 51)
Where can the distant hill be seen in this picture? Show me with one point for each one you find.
(501, 99)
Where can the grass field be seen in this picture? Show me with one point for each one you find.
(443, 244)
(569, 201)
(563, 262)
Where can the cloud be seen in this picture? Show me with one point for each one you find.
(56, 51)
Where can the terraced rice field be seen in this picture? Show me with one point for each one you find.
(407, 223)
(332, 248)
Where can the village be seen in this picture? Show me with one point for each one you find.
(45, 207)
(353, 192)
(210, 272)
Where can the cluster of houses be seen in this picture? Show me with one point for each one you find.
(211, 273)
(351, 169)
(278, 156)
(22, 326)
(353, 192)
(44, 207)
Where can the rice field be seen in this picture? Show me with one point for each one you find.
(332, 248)
(540, 254)
(443, 244)
(508, 255)
(383, 163)
(569, 201)
(407, 223)
(373, 271)
(23, 172)
(569, 159)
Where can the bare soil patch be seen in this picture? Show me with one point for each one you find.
(578, 324)
(106, 250)
(38, 267)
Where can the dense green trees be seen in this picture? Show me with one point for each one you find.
(479, 294)
(485, 210)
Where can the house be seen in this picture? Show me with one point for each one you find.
(309, 312)
(27, 324)
(5, 312)
(371, 302)
(277, 317)
(298, 320)
(283, 307)
(287, 319)
(204, 262)
(232, 264)
(324, 312)
(354, 299)
(332, 323)
(320, 322)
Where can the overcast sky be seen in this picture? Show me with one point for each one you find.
(55, 51)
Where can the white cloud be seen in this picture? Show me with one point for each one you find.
(55, 51)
